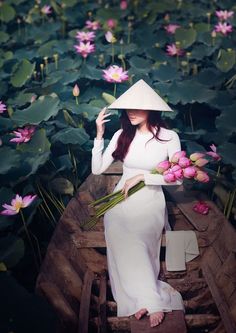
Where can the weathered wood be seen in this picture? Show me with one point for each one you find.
(219, 299)
(174, 319)
(201, 320)
(85, 302)
(102, 304)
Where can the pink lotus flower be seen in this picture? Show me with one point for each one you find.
(201, 162)
(171, 28)
(95, 25)
(195, 156)
(224, 28)
(115, 74)
(85, 36)
(184, 162)
(201, 207)
(23, 134)
(110, 37)
(201, 176)
(17, 203)
(169, 177)
(162, 166)
(189, 172)
(213, 153)
(224, 14)
(172, 50)
(84, 48)
(177, 171)
(123, 5)
(46, 10)
(3, 107)
(175, 158)
(111, 23)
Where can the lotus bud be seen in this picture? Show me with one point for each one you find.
(162, 166)
(42, 70)
(175, 158)
(55, 56)
(184, 162)
(76, 92)
(167, 17)
(201, 162)
(169, 177)
(213, 34)
(123, 5)
(189, 172)
(188, 54)
(202, 176)
(195, 156)
(178, 172)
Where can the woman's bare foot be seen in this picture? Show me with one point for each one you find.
(140, 313)
(156, 318)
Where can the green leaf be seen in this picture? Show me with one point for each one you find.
(22, 72)
(186, 37)
(40, 110)
(228, 152)
(3, 37)
(9, 159)
(12, 250)
(76, 136)
(225, 60)
(7, 12)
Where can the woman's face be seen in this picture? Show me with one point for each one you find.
(137, 117)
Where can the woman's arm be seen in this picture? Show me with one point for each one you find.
(156, 179)
(101, 161)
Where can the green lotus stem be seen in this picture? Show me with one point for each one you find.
(45, 202)
(76, 100)
(114, 92)
(191, 119)
(29, 238)
(94, 203)
(226, 204)
(231, 201)
(112, 52)
(218, 171)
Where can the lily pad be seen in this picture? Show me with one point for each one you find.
(9, 159)
(186, 37)
(76, 136)
(7, 12)
(22, 72)
(225, 60)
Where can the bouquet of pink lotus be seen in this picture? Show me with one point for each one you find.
(177, 168)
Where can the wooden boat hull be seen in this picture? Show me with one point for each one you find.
(74, 276)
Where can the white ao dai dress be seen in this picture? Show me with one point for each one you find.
(133, 228)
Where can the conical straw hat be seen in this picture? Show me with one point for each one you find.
(140, 96)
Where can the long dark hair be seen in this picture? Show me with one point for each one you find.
(154, 121)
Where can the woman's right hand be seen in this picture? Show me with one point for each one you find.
(101, 119)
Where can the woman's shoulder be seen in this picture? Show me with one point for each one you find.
(168, 134)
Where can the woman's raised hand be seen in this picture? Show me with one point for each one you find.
(100, 122)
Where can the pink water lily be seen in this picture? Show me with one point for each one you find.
(175, 158)
(46, 10)
(95, 25)
(224, 28)
(115, 74)
(213, 153)
(3, 107)
(123, 5)
(84, 48)
(171, 28)
(17, 204)
(111, 23)
(23, 134)
(172, 50)
(85, 36)
(201, 207)
(162, 166)
(224, 14)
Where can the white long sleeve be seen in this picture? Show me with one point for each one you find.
(101, 161)
(156, 179)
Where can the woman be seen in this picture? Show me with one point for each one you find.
(133, 228)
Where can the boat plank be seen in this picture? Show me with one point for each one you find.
(219, 299)
(102, 304)
(85, 302)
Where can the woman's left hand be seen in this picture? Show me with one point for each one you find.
(129, 183)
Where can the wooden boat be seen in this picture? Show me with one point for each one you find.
(74, 277)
